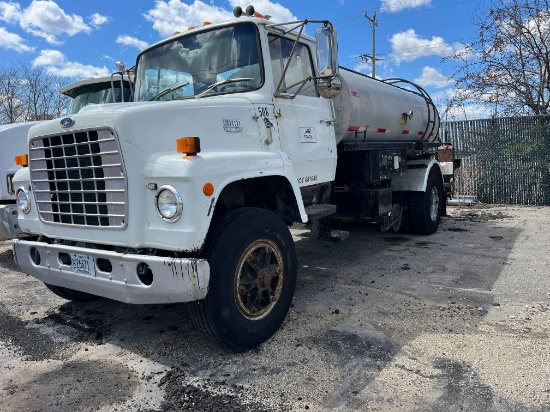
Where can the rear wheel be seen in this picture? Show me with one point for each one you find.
(426, 207)
(252, 278)
(71, 294)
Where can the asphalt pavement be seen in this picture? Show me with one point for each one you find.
(455, 321)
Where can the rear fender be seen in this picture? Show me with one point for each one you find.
(415, 179)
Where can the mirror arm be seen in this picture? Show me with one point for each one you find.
(302, 83)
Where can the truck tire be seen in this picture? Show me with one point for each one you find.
(252, 278)
(71, 294)
(426, 207)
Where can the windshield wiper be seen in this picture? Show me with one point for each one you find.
(168, 90)
(226, 81)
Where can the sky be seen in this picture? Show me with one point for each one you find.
(415, 39)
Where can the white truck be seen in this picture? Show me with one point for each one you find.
(13, 138)
(237, 131)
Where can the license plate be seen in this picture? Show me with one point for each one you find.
(83, 264)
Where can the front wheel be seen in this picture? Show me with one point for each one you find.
(427, 207)
(252, 278)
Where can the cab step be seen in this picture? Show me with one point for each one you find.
(316, 212)
(320, 223)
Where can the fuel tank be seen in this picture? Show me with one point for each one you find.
(392, 110)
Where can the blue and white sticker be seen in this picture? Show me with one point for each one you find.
(307, 135)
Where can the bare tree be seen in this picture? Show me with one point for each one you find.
(12, 106)
(38, 91)
(28, 93)
(508, 66)
(59, 103)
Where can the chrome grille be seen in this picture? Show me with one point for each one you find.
(79, 179)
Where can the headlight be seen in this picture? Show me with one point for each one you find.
(169, 203)
(23, 199)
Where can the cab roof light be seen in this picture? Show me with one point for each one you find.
(189, 145)
(22, 160)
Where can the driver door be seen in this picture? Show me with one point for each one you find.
(304, 119)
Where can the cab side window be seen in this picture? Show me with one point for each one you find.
(300, 66)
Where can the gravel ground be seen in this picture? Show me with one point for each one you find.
(459, 320)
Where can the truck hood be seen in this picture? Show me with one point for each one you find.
(18, 126)
(145, 148)
(152, 127)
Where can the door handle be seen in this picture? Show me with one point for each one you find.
(268, 125)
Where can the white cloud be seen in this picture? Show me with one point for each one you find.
(12, 41)
(10, 12)
(408, 46)
(452, 106)
(57, 64)
(173, 15)
(398, 5)
(132, 42)
(43, 18)
(431, 77)
(363, 67)
(98, 20)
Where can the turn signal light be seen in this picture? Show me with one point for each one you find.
(208, 189)
(22, 160)
(189, 145)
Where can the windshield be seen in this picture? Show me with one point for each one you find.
(188, 66)
(99, 93)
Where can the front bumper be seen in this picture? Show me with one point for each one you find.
(9, 227)
(174, 279)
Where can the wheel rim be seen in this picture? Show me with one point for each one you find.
(259, 279)
(434, 203)
(397, 210)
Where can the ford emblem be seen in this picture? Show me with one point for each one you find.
(67, 122)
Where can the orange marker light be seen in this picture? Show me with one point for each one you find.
(189, 145)
(22, 160)
(208, 189)
(206, 23)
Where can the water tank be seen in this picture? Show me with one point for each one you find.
(393, 110)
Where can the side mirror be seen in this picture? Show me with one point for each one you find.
(328, 83)
(329, 88)
(327, 52)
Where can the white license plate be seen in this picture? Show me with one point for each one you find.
(83, 264)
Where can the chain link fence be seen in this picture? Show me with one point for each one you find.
(504, 160)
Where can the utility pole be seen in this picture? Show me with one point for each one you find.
(373, 24)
